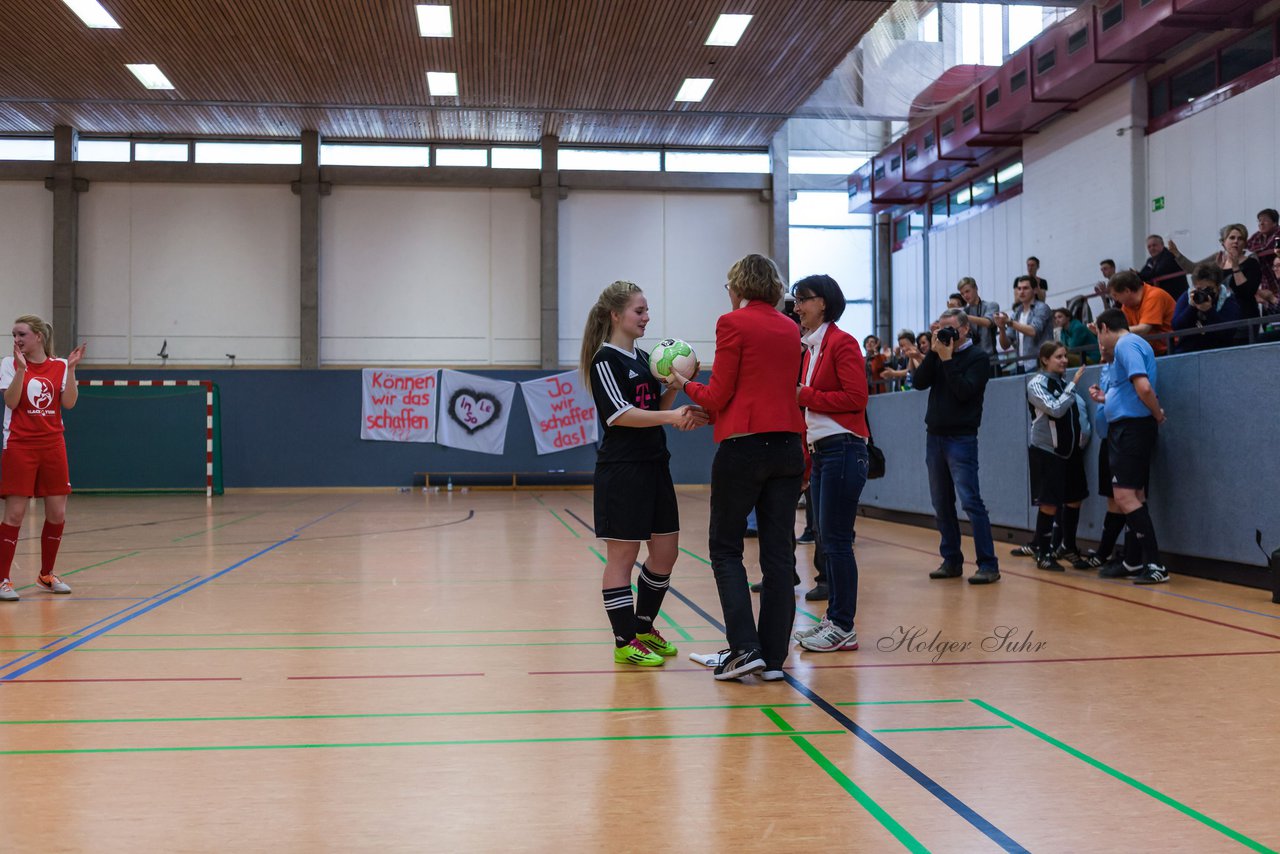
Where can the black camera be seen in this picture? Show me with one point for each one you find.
(1202, 296)
(947, 335)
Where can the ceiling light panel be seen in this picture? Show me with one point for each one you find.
(728, 29)
(442, 84)
(93, 14)
(150, 76)
(694, 88)
(435, 21)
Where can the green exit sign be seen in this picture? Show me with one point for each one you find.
(1157, 204)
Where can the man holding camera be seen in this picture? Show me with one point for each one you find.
(1133, 416)
(955, 373)
(1205, 304)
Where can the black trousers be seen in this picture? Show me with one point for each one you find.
(764, 471)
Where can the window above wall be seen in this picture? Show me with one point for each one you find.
(1214, 75)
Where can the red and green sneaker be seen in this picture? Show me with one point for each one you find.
(657, 643)
(635, 652)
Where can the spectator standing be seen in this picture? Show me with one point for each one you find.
(1163, 268)
(980, 313)
(955, 301)
(955, 373)
(1030, 325)
(1263, 244)
(1039, 285)
(1148, 310)
(876, 362)
(1133, 414)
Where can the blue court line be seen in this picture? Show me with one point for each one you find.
(71, 599)
(136, 614)
(325, 516)
(930, 785)
(581, 521)
(91, 625)
(1196, 599)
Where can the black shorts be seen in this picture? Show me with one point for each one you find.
(1104, 470)
(1056, 481)
(635, 501)
(1131, 445)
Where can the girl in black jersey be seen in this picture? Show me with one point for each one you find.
(635, 500)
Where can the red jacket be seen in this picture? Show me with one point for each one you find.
(753, 381)
(838, 388)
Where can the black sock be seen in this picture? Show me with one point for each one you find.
(1132, 551)
(1056, 539)
(622, 616)
(650, 588)
(1140, 523)
(1069, 522)
(1040, 543)
(1112, 525)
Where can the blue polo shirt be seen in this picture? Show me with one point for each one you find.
(1133, 357)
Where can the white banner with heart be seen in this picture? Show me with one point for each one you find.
(474, 412)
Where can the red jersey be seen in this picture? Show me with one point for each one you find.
(37, 419)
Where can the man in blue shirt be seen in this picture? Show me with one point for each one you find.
(1133, 416)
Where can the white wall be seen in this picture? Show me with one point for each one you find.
(211, 269)
(1215, 168)
(908, 288)
(677, 247)
(1078, 190)
(429, 276)
(26, 247)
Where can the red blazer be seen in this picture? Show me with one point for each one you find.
(838, 388)
(753, 381)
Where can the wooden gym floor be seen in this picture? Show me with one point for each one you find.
(387, 672)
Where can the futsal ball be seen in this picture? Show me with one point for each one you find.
(673, 353)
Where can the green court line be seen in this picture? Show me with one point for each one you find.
(214, 528)
(453, 743)
(558, 519)
(313, 634)
(661, 613)
(83, 568)
(941, 728)
(694, 556)
(1125, 778)
(893, 702)
(366, 715)
(877, 812)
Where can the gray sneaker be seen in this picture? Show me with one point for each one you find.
(53, 585)
(7, 593)
(801, 634)
(831, 638)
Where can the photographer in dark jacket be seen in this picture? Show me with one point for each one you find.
(1205, 304)
(955, 373)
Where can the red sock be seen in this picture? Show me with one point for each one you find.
(50, 539)
(8, 545)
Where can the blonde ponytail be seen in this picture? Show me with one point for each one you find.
(42, 328)
(600, 323)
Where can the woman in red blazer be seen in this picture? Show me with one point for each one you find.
(760, 463)
(833, 391)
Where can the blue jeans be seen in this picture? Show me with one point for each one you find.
(839, 474)
(952, 462)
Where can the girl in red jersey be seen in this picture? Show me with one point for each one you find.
(37, 387)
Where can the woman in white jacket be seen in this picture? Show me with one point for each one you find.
(1060, 431)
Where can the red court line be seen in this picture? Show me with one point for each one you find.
(1096, 593)
(385, 676)
(134, 679)
(1047, 660)
(619, 672)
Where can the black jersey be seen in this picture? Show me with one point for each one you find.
(621, 381)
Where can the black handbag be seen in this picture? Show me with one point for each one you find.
(875, 461)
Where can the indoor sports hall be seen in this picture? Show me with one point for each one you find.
(314, 277)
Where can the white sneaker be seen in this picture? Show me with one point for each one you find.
(772, 675)
(831, 638)
(7, 593)
(801, 634)
(53, 585)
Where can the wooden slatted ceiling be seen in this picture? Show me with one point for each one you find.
(357, 68)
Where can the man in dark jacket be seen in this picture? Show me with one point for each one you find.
(955, 373)
(1162, 269)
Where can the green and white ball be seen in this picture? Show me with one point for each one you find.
(672, 353)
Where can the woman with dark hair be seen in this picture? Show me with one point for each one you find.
(833, 392)
(760, 464)
(1055, 458)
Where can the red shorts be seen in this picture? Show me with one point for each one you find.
(34, 471)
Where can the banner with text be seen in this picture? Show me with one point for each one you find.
(561, 412)
(474, 412)
(398, 405)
